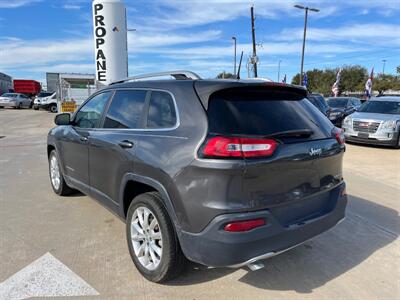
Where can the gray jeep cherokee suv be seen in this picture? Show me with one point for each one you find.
(221, 172)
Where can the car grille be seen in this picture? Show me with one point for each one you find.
(361, 126)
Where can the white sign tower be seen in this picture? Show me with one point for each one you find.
(110, 40)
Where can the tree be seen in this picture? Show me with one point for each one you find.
(398, 70)
(225, 75)
(386, 82)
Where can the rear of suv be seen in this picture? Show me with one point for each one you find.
(221, 172)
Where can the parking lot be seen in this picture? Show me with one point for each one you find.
(358, 259)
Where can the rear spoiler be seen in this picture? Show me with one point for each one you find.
(282, 91)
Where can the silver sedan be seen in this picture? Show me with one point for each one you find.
(15, 100)
(376, 122)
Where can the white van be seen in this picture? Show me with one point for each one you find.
(46, 100)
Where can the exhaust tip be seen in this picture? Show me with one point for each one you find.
(256, 266)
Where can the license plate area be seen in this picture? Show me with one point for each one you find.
(363, 135)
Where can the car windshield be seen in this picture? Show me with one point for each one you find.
(381, 107)
(44, 94)
(9, 95)
(337, 102)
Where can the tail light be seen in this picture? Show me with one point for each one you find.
(338, 133)
(238, 147)
(247, 225)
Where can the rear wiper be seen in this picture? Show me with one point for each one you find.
(292, 133)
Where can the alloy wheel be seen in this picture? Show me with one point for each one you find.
(146, 238)
(55, 175)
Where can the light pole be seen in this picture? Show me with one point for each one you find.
(234, 56)
(279, 69)
(383, 68)
(304, 35)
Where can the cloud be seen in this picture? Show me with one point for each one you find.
(145, 40)
(15, 53)
(16, 3)
(71, 7)
(375, 33)
(180, 14)
(66, 68)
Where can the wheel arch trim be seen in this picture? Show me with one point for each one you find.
(159, 187)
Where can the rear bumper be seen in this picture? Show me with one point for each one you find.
(217, 248)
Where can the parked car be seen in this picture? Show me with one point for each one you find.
(224, 173)
(341, 107)
(376, 122)
(46, 100)
(319, 102)
(15, 100)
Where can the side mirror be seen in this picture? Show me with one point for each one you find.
(63, 119)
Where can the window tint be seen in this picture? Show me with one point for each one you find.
(161, 111)
(125, 110)
(236, 113)
(89, 115)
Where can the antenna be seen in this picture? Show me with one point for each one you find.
(240, 65)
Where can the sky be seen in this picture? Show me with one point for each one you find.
(39, 36)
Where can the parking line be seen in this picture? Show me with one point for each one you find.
(45, 277)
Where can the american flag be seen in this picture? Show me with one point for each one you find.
(284, 79)
(335, 86)
(305, 80)
(368, 84)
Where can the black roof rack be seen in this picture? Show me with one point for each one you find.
(178, 75)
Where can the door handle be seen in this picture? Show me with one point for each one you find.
(126, 144)
(83, 138)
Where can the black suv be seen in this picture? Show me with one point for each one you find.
(220, 172)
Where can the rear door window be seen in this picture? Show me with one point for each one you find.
(126, 109)
(241, 113)
(162, 112)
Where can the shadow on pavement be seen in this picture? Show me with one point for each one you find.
(390, 148)
(321, 260)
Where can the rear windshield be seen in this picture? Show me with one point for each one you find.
(240, 113)
(381, 107)
(337, 102)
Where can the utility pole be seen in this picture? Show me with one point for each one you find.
(279, 69)
(304, 37)
(253, 35)
(383, 69)
(234, 56)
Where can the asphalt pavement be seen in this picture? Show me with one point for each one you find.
(72, 246)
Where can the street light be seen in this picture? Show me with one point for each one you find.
(383, 69)
(279, 69)
(304, 35)
(234, 56)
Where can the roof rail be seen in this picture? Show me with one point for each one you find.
(178, 75)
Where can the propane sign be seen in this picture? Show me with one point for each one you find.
(110, 36)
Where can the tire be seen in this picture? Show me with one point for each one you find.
(53, 108)
(59, 186)
(154, 267)
(36, 108)
(397, 146)
(20, 105)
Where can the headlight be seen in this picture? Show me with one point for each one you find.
(348, 121)
(391, 125)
